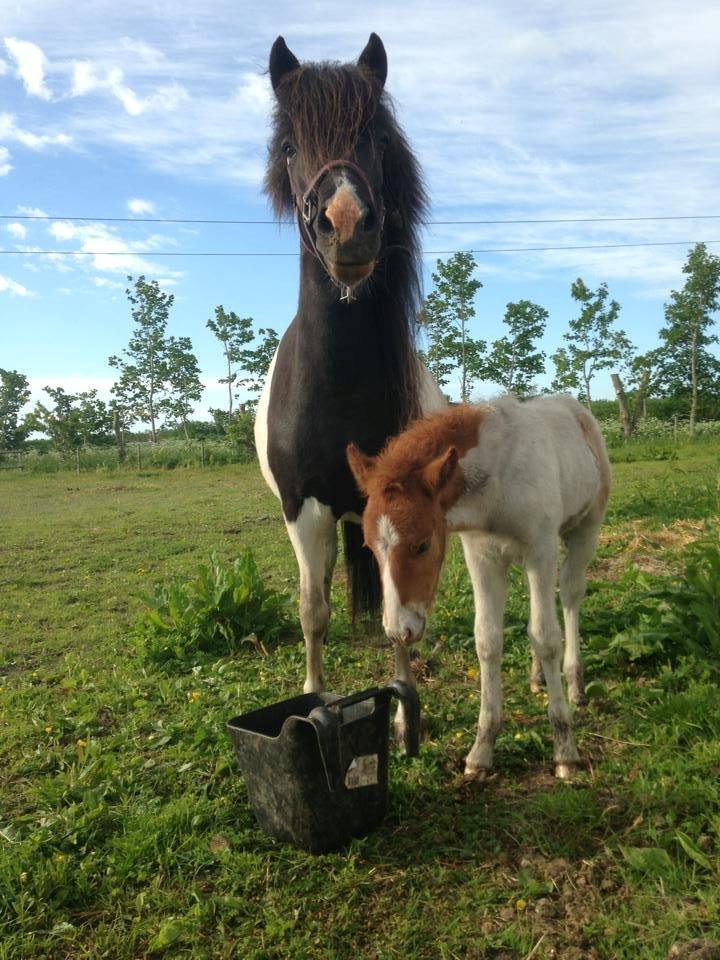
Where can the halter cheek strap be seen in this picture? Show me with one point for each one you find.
(306, 208)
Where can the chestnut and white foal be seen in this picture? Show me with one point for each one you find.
(513, 478)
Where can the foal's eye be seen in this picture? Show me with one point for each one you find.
(423, 548)
(289, 150)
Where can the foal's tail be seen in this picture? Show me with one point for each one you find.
(364, 591)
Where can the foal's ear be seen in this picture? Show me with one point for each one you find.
(374, 59)
(439, 472)
(282, 62)
(361, 466)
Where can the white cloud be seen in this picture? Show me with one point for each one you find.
(16, 230)
(5, 165)
(100, 247)
(140, 207)
(110, 284)
(15, 289)
(88, 77)
(30, 62)
(10, 131)
(30, 211)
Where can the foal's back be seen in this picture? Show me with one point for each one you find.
(540, 466)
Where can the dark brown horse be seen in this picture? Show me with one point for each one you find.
(346, 369)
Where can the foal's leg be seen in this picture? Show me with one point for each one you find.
(489, 579)
(581, 543)
(314, 539)
(546, 638)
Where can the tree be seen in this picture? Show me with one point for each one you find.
(143, 375)
(14, 394)
(234, 333)
(446, 316)
(74, 420)
(592, 342)
(184, 387)
(513, 361)
(256, 361)
(685, 365)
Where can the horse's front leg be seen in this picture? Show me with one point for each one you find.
(488, 573)
(403, 671)
(314, 538)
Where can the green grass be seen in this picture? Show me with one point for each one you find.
(125, 827)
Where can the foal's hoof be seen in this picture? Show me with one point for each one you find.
(402, 733)
(476, 774)
(565, 771)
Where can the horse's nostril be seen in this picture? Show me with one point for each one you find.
(369, 221)
(323, 223)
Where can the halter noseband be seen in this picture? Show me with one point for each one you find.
(306, 208)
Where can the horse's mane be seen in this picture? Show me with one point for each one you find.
(324, 109)
(426, 439)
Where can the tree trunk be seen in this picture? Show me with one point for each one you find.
(587, 394)
(119, 439)
(230, 386)
(693, 378)
(641, 400)
(625, 419)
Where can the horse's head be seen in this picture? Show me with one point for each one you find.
(330, 134)
(404, 526)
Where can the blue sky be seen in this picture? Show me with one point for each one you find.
(516, 111)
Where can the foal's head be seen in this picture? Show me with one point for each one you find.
(340, 162)
(404, 526)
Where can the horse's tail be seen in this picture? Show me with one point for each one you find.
(364, 591)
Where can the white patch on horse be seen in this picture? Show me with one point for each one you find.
(387, 534)
(261, 430)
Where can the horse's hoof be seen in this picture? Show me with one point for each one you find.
(402, 731)
(565, 771)
(476, 774)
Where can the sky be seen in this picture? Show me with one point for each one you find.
(554, 110)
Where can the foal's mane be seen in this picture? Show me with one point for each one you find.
(325, 108)
(425, 440)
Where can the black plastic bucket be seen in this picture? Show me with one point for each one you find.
(316, 766)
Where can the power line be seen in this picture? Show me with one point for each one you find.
(253, 253)
(427, 223)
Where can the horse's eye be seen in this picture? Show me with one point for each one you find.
(423, 548)
(289, 150)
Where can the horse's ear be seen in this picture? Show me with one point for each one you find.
(374, 59)
(439, 472)
(282, 62)
(361, 466)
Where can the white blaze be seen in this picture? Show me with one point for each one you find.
(398, 620)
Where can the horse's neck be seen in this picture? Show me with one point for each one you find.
(336, 335)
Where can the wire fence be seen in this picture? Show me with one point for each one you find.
(652, 433)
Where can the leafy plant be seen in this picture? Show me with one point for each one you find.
(680, 616)
(222, 608)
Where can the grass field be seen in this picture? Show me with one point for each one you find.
(124, 825)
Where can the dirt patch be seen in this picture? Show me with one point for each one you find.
(652, 551)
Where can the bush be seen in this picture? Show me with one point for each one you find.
(221, 609)
(680, 616)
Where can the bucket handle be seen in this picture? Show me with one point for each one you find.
(326, 721)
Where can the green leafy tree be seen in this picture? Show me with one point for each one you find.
(140, 387)
(685, 366)
(14, 394)
(73, 420)
(514, 361)
(234, 333)
(255, 361)
(446, 317)
(184, 387)
(593, 342)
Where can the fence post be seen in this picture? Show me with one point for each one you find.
(139, 457)
(675, 429)
(77, 459)
(202, 453)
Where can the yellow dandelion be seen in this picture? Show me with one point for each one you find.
(195, 696)
(60, 858)
(521, 906)
(49, 728)
(23, 877)
(471, 673)
(80, 743)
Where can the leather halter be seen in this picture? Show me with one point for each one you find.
(306, 208)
